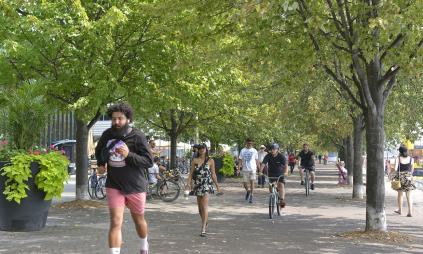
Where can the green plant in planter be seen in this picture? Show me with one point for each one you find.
(50, 178)
(228, 165)
(7, 150)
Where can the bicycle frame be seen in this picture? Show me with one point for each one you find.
(273, 185)
(274, 196)
(307, 182)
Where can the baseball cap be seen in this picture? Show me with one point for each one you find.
(199, 146)
(274, 146)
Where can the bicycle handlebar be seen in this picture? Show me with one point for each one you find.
(273, 177)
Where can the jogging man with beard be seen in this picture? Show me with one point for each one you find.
(125, 153)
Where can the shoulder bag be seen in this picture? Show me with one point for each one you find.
(396, 183)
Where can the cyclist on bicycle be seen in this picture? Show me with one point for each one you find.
(276, 166)
(306, 157)
(154, 171)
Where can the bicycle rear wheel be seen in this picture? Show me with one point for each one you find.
(100, 190)
(272, 201)
(91, 186)
(169, 190)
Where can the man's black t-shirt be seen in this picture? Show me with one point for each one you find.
(127, 174)
(307, 159)
(275, 164)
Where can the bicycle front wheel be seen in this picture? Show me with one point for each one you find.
(169, 190)
(272, 202)
(100, 190)
(307, 184)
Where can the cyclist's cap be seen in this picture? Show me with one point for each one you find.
(274, 146)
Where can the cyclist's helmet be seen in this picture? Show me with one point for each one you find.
(274, 146)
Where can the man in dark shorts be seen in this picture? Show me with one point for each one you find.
(306, 157)
(276, 166)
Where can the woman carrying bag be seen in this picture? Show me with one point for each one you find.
(404, 167)
(203, 174)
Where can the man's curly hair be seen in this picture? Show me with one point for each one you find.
(123, 108)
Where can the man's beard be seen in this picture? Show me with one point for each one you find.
(119, 133)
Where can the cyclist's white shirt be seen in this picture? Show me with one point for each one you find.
(152, 173)
(249, 157)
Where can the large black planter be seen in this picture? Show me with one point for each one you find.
(30, 214)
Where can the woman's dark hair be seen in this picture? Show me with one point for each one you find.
(123, 108)
(156, 159)
(403, 151)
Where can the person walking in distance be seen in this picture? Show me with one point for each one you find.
(125, 153)
(291, 161)
(249, 163)
(153, 150)
(261, 154)
(204, 175)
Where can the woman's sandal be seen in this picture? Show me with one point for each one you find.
(409, 215)
(397, 212)
(204, 233)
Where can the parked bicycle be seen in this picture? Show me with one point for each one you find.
(183, 165)
(97, 185)
(167, 189)
(176, 175)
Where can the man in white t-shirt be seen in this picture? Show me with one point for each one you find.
(248, 162)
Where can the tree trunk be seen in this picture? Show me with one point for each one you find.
(341, 152)
(349, 158)
(173, 147)
(375, 141)
(375, 184)
(358, 190)
(214, 144)
(173, 134)
(81, 160)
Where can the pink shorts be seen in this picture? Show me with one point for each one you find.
(135, 201)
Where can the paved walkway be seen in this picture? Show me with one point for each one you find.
(309, 225)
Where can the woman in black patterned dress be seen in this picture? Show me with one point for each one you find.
(203, 174)
(404, 167)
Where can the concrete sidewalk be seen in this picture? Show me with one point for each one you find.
(309, 225)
